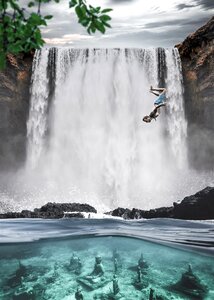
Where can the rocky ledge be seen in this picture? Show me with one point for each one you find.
(52, 211)
(196, 207)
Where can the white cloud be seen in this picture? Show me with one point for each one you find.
(67, 39)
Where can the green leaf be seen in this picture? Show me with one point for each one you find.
(35, 19)
(105, 18)
(106, 10)
(48, 17)
(98, 9)
(106, 24)
(93, 28)
(31, 4)
(85, 22)
(72, 3)
(99, 26)
(2, 60)
(78, 12)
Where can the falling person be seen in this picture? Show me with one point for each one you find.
(159, 102)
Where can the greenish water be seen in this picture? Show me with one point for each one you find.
(54, 269)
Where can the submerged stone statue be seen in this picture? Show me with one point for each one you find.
(78, 294)
(151, 294)
(97, 277)
(116, 254)
(116, 260)
(116, 288)
(114, 294)
(190, 285)
(98, 267)
(17, 277)
(142, 264)
(140, 282)
(115, 265)
(75, 265)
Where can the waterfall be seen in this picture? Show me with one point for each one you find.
(86, 138)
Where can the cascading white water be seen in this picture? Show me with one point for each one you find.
(177, 125)
(98, 148)
(37, 123)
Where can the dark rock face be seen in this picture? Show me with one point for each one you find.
(196, 207)
(197, 57)
(14, 106)
(52, 211)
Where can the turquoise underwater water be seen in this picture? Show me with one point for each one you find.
(105, 260)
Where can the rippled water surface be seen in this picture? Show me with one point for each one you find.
(106, 259)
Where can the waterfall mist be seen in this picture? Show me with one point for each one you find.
(86, 138)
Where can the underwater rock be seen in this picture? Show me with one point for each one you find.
(190, 285)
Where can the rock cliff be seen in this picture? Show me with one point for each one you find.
(197, 57)
(14, 106)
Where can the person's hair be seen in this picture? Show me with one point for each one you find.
(147, 119)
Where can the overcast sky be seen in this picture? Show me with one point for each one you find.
(135, 23)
